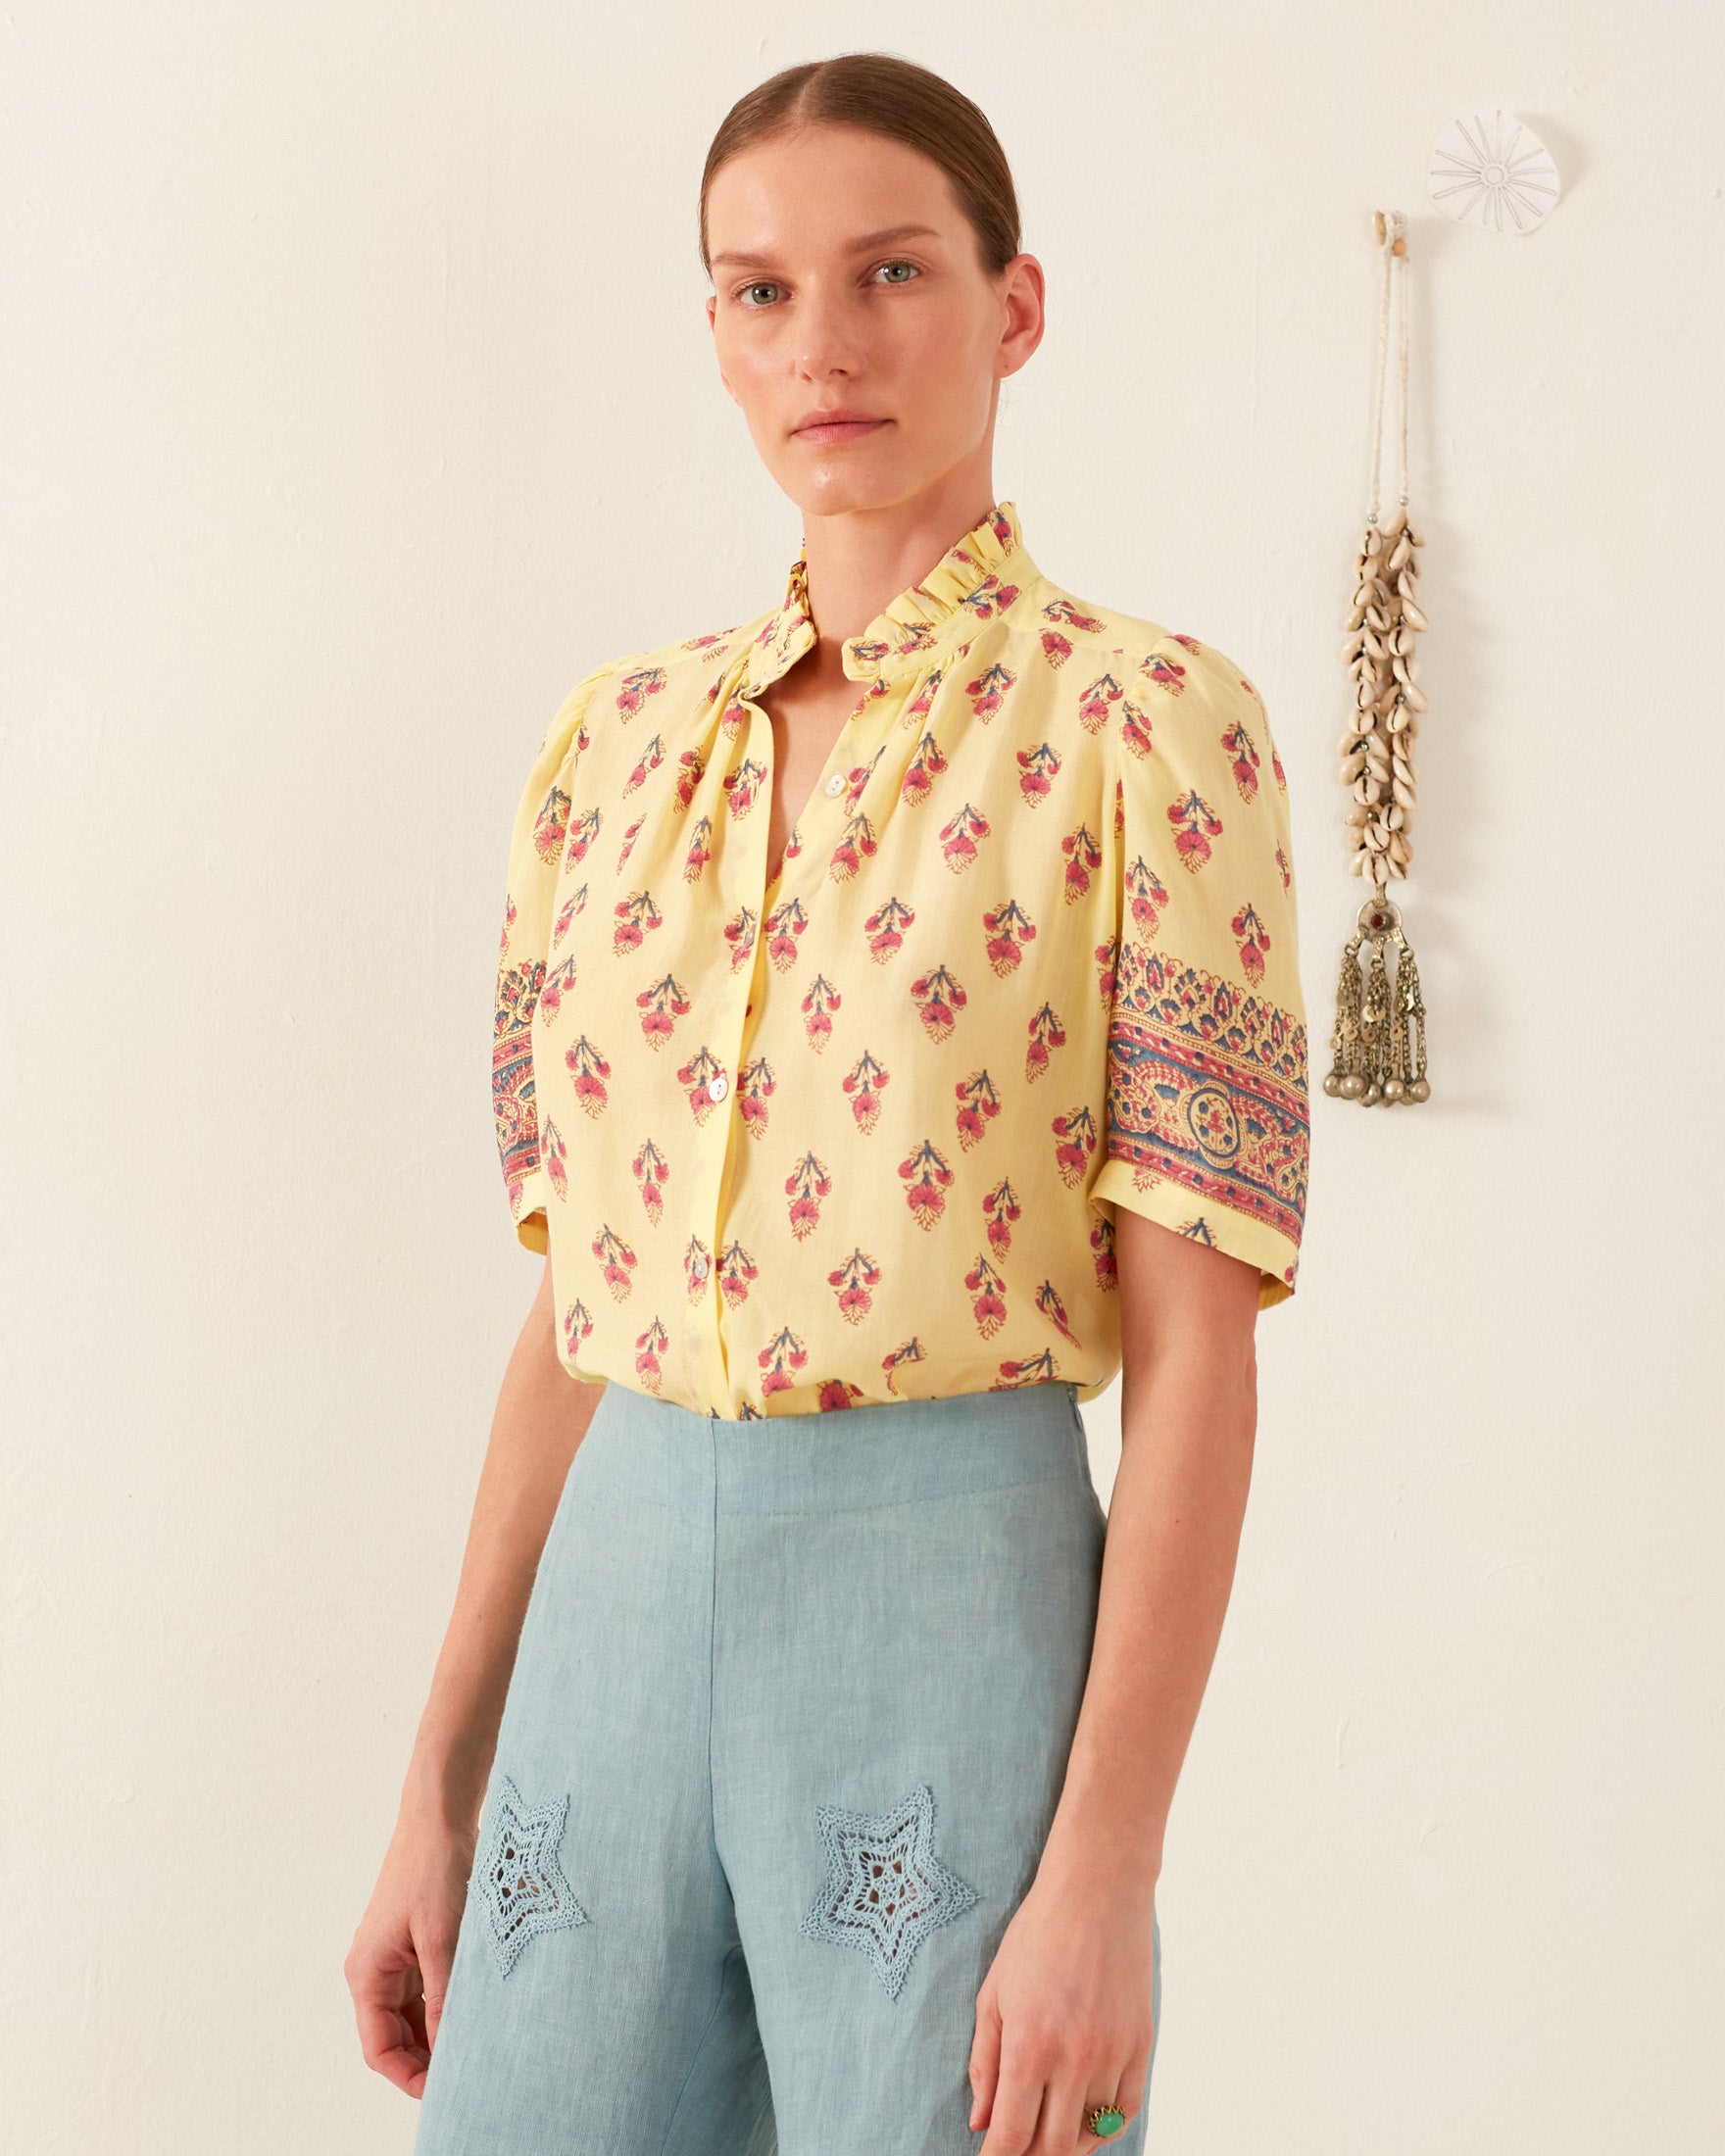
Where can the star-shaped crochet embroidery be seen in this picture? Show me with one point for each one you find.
(885, 1888)
(517, 1876)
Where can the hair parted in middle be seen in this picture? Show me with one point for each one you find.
(884, 95)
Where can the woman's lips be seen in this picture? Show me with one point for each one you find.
(840, 430)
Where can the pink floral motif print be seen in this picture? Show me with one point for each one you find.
(1166, 674)
(1046, 1035)
(1006, 932)
(558, 981)
(864, 1085)
(807, 1185)
(636, 914)
(756, 1086)
(661, 1003)
(988, 692)
(616, 1262)
(1018, 888)
(737, 1274)
(650, 1346)
(577, 1326)
(1048, 1302)
(1074, 1143)
(1038, 769)
(938, 999)
(854, 1282)
(920, 773)
(635, 688)
(554, 1155)
(651, 1171)
(1083, 858)
(988, 1292)
(1094, 705)
(652, 757)
(1135, 729)
(1195, 823)
(1242, 753)
(960, 838)
(552, 828)
(1147, 896)
(978, 1104)
(927, 1179)
(1253, 940)
(885, 929)
(589, 1069)
(1001, 1209)
(820, 1000)
(1063, 609)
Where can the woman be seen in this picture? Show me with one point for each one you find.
(898, 1013)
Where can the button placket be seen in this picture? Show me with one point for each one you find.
(726, 1043)
(813, 826)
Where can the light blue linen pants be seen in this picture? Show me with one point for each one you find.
(787, 1727)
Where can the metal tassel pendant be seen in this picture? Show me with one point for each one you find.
(1377, 1051)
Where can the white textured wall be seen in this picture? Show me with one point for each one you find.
(357, 400)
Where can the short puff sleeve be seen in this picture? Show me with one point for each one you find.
(535, 854)
(1208, 1111)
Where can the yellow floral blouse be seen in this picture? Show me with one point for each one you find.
(854, 1127)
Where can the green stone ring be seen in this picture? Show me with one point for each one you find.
(1105, 2120)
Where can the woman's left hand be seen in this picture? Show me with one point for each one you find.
(1064, 2015)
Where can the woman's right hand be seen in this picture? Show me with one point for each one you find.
(397, 1968)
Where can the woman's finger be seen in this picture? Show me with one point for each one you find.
(985, 2060)
(436, 1951)
(1129, 2095)
(391, 2027)
(1018, 2108)
(1063, 2132)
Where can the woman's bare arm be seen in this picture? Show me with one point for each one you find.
(397, 1968)
(1063, 2017)
(1188, 1427)
(541, 1417)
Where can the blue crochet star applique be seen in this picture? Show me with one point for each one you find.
(885, 1890)
(518, 1877)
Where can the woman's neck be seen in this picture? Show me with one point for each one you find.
(859, 561)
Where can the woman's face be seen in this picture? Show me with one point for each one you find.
(846, 279)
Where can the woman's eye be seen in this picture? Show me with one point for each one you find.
(744, 294)
(911, 266)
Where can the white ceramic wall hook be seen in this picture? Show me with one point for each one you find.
(1489, 169)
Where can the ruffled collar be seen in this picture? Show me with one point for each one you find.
(978, 577)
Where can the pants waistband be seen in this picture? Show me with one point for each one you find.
(879, 1453)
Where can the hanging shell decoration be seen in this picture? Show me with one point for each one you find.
(1377, 750)
(1378, 1047)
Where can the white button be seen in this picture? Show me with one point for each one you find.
(699, 1268)
(836, 784)
(718, 1088)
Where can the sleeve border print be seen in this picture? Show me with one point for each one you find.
(1207, 1100)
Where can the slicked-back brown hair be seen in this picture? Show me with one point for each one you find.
(887, 96)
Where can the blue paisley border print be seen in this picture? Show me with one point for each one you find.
(1208, 1086)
